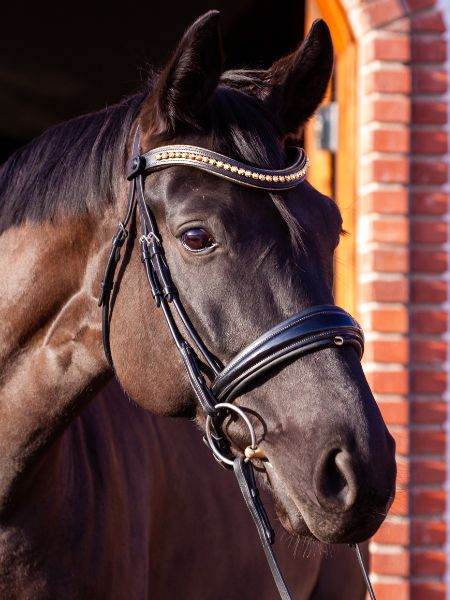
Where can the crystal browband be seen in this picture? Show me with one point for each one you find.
(221, 165)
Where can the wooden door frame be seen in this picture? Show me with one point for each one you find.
(345, 159)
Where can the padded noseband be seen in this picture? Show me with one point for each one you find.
(310, 330)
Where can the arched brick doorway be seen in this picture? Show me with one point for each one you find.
(397, 265)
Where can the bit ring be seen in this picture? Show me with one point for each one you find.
(209, 437)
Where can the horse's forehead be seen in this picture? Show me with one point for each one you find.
(186, 190)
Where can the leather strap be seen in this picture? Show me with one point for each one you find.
(222, 166)
(246, 480)
(308, 331)
(364, 572)
(107, 284)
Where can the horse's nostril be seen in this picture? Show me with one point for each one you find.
(334, 480)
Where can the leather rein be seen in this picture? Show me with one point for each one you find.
(307, 331)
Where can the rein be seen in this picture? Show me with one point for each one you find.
(307, 331)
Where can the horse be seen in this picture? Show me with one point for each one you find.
(112, 494)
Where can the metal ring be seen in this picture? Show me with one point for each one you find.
(209, 437)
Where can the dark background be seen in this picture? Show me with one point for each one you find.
(61, 59)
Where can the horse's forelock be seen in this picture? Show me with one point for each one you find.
(242, 127)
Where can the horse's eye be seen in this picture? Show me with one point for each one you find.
(196, 240)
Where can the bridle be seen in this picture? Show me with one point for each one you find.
(305, 332)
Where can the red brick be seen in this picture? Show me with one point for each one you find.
(385, 170)
(428, 533)
(429, 411)
(429, 142)
(429, 232)
(428, 591)
(429, 112)
(393, 201)
(388, 382)
(429, 172)
(429, 321)
(429, 261)
(381, 290)
(402, 442)
(398, 26)
(428, 22)
(429, 49)
(391, 230)
(400, 506)
(429, 81)
(392, 260)
(428, 471)
(416, 5)
(392, 48)
(428, 563)
(428, 442)
(386, 320)
(393, 532)
(393, 110)
(429, 351)
(387, 351)
(403, 475)
(394, 412)
(425, 290)
(388, 81)
(383, 11)
(428, 502)
(428, 382)
(386, 140)
(396, 563)
(429, 203)
(391, 591)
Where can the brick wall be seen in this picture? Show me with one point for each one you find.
(402, 266)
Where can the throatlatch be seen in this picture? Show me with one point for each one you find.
(308, 331)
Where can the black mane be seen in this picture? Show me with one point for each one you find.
(74, 167)
(71, 168)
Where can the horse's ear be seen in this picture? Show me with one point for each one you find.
(298, 82)
(187, 82)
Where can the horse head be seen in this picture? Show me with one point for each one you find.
(243, 260)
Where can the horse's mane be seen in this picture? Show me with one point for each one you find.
(71, 168)
(74, 167)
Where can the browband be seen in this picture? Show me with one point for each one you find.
(222, 166)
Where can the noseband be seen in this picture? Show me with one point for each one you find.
(305, 332)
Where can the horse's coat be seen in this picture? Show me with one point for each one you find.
(186, 534)
(99, 499)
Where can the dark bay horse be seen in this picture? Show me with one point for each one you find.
(100, 499)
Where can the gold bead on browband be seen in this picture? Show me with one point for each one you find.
(222, 166)
(233, 169)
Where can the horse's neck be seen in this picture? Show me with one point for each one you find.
(50, 335)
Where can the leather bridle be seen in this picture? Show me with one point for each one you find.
(305, 332)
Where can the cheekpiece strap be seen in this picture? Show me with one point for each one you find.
(222, 166)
